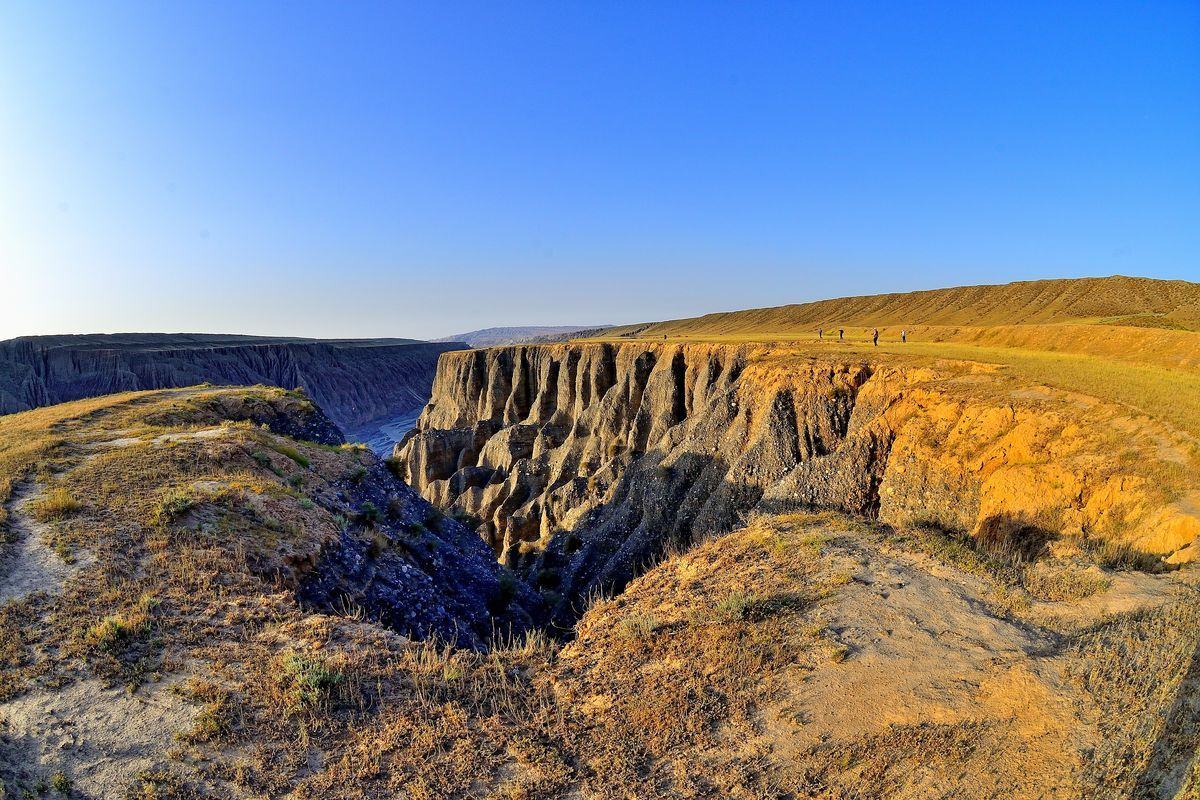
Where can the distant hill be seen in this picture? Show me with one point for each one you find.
(354, 380)
(175, 341)
(492, 337)
(1118, 300)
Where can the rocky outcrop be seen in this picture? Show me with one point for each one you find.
(355, 381)
(403, 564)
(583, 463)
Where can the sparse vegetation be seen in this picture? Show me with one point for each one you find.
(735, 606)
(1062, 582)
(56, 504)
(307, 682)
(174, 505)
(291, 452)
(640, 626)
(60, 783)
(369, 514)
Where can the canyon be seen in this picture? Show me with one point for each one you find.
(640, 563)
(360, 383)
(587, 461)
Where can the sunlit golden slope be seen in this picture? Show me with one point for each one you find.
(1141, 302)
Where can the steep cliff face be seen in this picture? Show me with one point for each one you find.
(582, 463)
(355, 381)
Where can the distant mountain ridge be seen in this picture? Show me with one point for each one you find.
(1121, 300)
(185, 340)
(355, 381)
(492, 337)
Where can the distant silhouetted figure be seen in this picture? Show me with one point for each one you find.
(820, 333)
(841, 334)
(875, 337)
(903, 336)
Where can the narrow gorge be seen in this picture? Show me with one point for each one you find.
(359, 383)
(582, 464)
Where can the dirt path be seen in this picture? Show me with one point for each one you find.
(28, 565)
(99, 737)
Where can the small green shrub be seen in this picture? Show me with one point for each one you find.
(308, 682)
(60, 783)
(395, 507)
(735, 606)
(465, 518)
(369, 514)
(173, 505)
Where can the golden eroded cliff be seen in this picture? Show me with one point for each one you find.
(592, 459)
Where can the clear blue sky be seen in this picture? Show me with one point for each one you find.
(336, 169)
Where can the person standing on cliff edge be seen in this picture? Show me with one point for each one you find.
(875, 337)
(820, 333)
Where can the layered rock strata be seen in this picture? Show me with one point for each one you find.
(354, 381)
(582, 463)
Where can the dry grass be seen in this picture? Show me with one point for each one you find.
(55, 504)
(1105, 300)
(1054, 582)
(1143, 671)
(661, 694)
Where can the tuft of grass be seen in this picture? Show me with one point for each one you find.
(291, 452)
(55, 504)
(215, 719)
(115, 631)
(308, 682)
(639, 626)
(1054, 582)
(370, 514)
(735, 606)
(60, 783)
(159, 784)
(1120, 556)
(173, 505)
(264, 461)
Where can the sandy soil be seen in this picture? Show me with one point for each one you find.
(28, 565)
(99, 737)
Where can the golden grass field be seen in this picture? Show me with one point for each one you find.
(1092, 336)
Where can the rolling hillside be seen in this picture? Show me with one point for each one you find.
(1139, 302)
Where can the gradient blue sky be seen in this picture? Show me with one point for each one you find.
(405, 169)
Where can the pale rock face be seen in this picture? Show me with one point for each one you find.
(584, 461)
